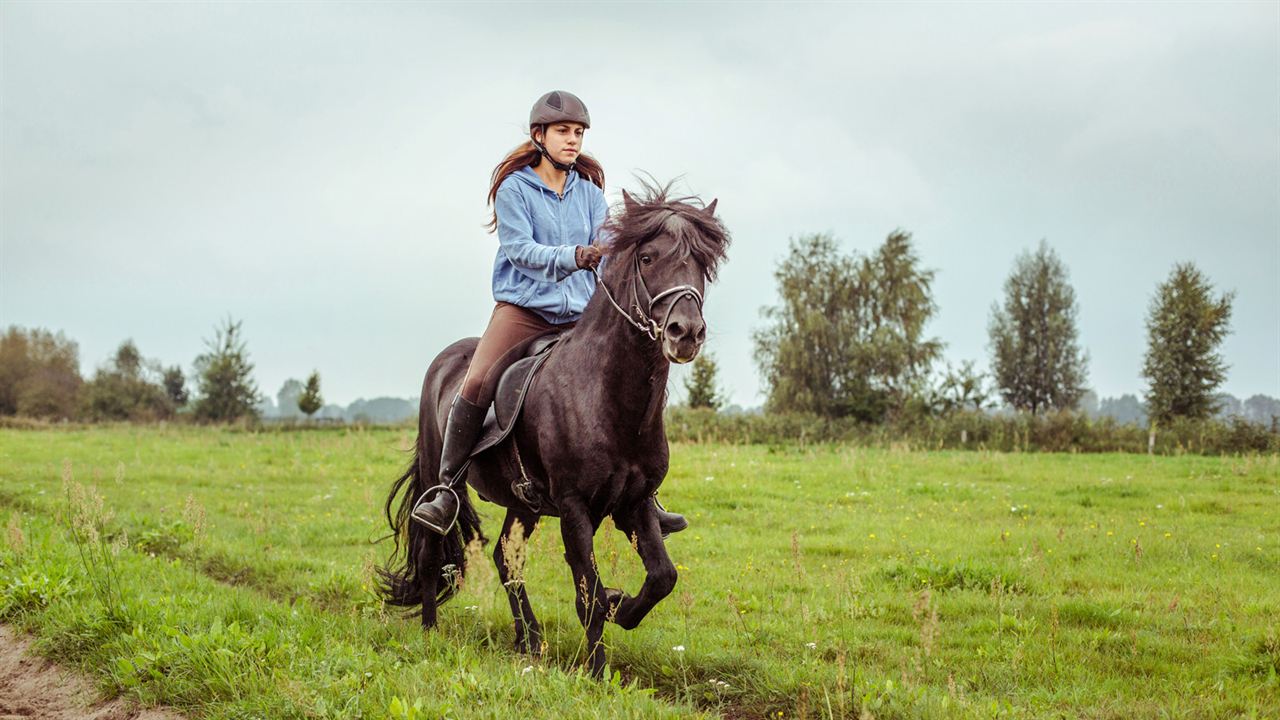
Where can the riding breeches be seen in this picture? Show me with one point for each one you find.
(505, 340)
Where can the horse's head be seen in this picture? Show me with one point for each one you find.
(670, 248)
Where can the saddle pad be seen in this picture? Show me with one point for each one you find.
(509, 399)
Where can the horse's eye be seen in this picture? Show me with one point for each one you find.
(646, 259)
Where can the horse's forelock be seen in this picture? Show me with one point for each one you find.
(654, 212)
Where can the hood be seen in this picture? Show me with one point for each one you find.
(529, 177)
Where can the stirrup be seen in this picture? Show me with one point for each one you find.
(457, 508)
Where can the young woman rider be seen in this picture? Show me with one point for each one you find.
(548, 205)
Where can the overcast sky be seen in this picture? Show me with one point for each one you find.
(318, 171)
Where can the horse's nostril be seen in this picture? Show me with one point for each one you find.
(675, 330)
(701, 334)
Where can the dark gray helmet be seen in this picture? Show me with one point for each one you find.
(559, 106)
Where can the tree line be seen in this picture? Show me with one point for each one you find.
(40, 378)
(847, 340)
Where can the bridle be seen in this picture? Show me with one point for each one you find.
(646, 324)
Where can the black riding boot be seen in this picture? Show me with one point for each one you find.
(438, 508)
(669, 522)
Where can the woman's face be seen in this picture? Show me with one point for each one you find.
(564, 141)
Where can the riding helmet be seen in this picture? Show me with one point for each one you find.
(559, 106)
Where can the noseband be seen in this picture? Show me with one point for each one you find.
(646, 324)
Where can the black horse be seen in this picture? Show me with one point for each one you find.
(590, 441)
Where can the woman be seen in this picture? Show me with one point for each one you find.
(547, 216)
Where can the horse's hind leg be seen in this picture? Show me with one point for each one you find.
(509, 556)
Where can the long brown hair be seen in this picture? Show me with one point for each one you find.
(528, 155)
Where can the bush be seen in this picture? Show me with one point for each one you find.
(128, 387)
(1052, 432)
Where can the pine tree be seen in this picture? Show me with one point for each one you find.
(700, 384)
(1036, 359)
(227, 391)
(310, 401)
(1185, 327)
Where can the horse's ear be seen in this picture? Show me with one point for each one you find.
(629, 203)
(710, 210)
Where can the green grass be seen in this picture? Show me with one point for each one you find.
(229, 574)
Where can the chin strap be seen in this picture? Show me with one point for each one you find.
(563, 167)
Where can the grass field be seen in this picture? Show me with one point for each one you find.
(230, 575)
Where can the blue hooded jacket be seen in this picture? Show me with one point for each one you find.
(537, 233)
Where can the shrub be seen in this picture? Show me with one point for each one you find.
(1051, 432)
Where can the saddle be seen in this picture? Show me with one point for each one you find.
(512, 388)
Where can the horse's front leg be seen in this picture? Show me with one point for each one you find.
(578, 531)
(429, 561)
(641, 524)
(509, 556)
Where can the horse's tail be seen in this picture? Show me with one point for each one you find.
(421, 558)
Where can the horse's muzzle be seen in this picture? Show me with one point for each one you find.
(682, 338)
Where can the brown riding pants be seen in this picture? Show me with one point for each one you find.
(511, 327)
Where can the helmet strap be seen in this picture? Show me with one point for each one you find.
(562, 167)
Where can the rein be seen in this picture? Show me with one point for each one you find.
(646, 324)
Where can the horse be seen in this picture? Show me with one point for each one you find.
(590, 441)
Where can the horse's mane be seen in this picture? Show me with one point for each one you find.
(655, 211)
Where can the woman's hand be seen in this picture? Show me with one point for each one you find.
(587, 256)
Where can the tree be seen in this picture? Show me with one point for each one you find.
(1185, 327)
(700, 383)
(1262, 409)
(1036, 360)
(127, 387)
(287, 398)
(39, 374)
(847, 338)
(175, 386)
(1226, 406)
(900, 305)
(310, 401)
(226, 390)
(1126, 409)
(1089, 403)
(959, 389)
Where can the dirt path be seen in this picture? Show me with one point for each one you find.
(32, 687)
